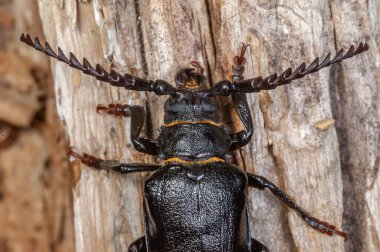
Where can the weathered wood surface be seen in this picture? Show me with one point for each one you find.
(331, 171)
(35, 189)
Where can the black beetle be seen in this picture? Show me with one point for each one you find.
(196, 201)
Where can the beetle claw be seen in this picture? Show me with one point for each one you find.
(101, 109)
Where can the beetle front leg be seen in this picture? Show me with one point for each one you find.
(243, 137)
(239, 100)
(115, 109)
(98, 163)
(323, 227)
(137, 114)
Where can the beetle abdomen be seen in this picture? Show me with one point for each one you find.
(197, 208)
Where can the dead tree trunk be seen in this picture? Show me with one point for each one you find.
(331, 170)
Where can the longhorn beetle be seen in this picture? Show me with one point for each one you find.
(196, 200)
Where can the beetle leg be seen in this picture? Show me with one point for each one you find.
(137, 115)
(243, 137)
(138, 245)
(115, 109)
(323, 227)
(98, 163)
(257, 246)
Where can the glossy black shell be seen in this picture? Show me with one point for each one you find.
(197, 208)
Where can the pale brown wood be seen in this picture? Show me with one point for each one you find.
(296, 143)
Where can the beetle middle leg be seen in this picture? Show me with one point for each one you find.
(123, 168)
(137, 114)
(323, 227)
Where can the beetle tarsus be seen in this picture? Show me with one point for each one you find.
(115, 109)
(86, 159)
(323, 227)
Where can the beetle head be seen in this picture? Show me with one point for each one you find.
(191, 78)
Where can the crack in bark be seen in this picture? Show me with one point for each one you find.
(204, 51)
(333, 25)
(140, 35)
(209, 15)
(353, 199)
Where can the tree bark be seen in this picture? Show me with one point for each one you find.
(331, 170)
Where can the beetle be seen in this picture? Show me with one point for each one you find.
(196, 200)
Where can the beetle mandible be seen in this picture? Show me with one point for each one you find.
(196, 200)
